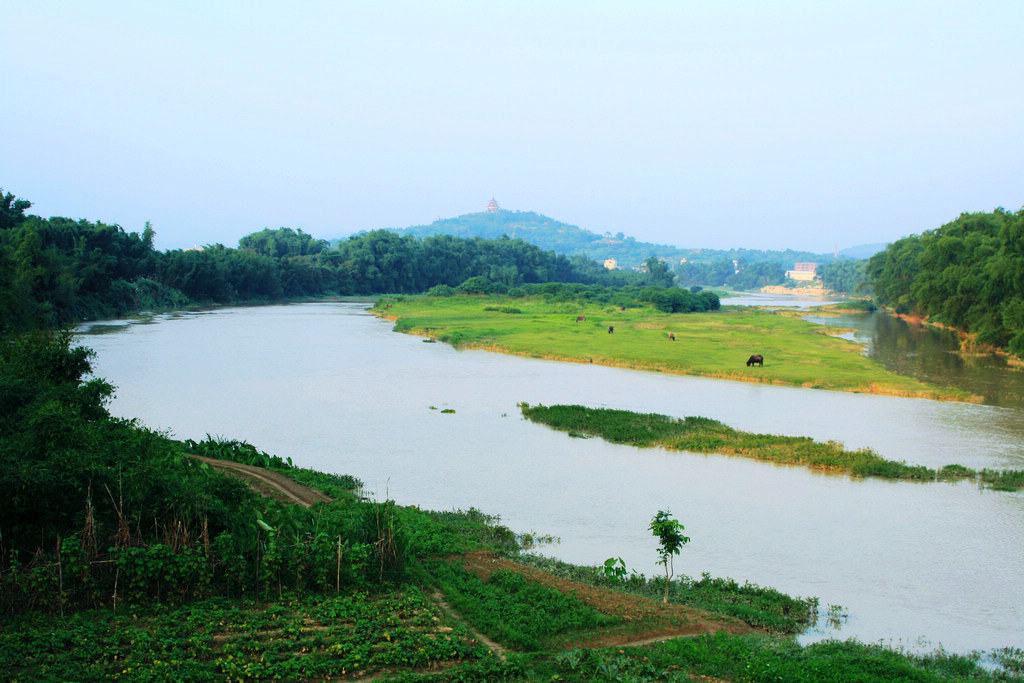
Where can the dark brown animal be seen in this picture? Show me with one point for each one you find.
(581, 318)
(611, 328)
(756, 359)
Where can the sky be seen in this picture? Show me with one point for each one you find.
(765, 125)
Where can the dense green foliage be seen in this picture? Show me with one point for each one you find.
(665, 299)
(845, 277)
(738, 275)
(968, 274)
(704, 435)
(57, 271)
(282, 242)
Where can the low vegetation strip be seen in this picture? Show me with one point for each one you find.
(636, 334)
(709, 599)
(704, 435)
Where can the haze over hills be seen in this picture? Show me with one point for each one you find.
(564, 238)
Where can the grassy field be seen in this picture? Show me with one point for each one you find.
(713, 344)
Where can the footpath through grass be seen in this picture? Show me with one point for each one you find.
(713, 344)
(704, 435)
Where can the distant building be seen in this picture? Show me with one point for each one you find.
(802, 271)
(611, 264)
(492, 206)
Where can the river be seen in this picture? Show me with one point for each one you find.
(914, 565)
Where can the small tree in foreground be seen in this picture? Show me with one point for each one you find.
(670, 535)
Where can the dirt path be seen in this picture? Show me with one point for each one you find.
(268, 483)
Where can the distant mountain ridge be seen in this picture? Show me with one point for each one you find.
(563, 238)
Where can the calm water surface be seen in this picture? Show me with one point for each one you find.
(915, 565)
(931, 354)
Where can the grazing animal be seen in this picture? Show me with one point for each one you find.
(581, 318)
(756, 359)
(611, 328)
(671, 336)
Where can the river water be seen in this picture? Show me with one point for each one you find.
(332, 387)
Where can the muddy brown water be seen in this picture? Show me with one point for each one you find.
(914, 565)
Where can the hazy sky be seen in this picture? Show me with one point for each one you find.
(700, 124)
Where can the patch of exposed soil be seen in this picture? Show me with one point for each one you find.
(647, 620)
(268, 483)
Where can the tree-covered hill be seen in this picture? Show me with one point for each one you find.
(968, 274)
(563, 238)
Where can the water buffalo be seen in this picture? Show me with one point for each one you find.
(581, 318)
(611, 328)
(756, 359)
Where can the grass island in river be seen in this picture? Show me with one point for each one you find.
(713, 344)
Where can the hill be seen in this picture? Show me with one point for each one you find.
(563, 238)
(862, 251)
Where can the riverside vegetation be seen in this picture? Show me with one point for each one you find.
(704, 435)
(124, 557)
(540, 321)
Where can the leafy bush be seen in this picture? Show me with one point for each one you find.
(441, 290)
(237, 451)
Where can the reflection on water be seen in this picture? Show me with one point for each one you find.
(334, 389)
(933, 354)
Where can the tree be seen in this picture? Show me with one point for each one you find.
(670, 535)
(658, 273)
(12, 211)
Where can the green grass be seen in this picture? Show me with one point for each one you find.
(713, 344)
(758, 658)
(704, 435)
(515, 611)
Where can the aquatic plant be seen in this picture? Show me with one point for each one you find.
(704, 435)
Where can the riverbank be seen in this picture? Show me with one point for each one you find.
(714, 344)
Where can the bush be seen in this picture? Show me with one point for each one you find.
(441, 290)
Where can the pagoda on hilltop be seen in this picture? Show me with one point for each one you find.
(492, 206)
